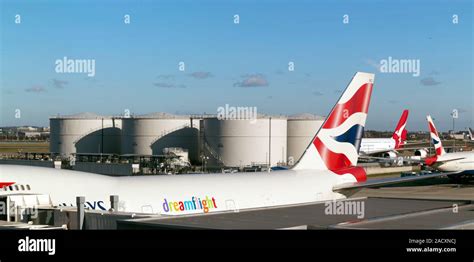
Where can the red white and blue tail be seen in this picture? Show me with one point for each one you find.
(435, 137)
(400, 133)
(335, 146)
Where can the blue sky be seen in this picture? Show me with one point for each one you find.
(243, 64)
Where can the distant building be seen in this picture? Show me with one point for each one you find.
(460, 135)
(27, 128)
(29, 134)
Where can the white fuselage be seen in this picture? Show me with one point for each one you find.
(463, 162)
(153, 194)
(374, 145)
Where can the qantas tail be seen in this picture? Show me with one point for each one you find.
(335, 146)
(400, 133)
(435, 137)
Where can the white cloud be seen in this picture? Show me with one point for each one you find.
(252, 80)
(35, 89)
(201, 75)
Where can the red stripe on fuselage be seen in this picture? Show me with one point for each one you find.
(431, 160)
(359, 103)
(4, 184)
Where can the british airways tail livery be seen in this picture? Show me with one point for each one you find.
(335, 146)
(460, 162)
(326, 171)
(435, 137)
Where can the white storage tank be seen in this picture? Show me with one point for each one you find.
(150, 134)
(240, 143)
(84, 133)
(301, 130)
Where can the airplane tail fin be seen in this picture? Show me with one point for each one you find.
(336, 145)
(400, 133)
(435, 137)
(470, 133)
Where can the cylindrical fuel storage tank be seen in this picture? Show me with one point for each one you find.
(150, 134)
(84, 133)
(301, 129)
(240, 143)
